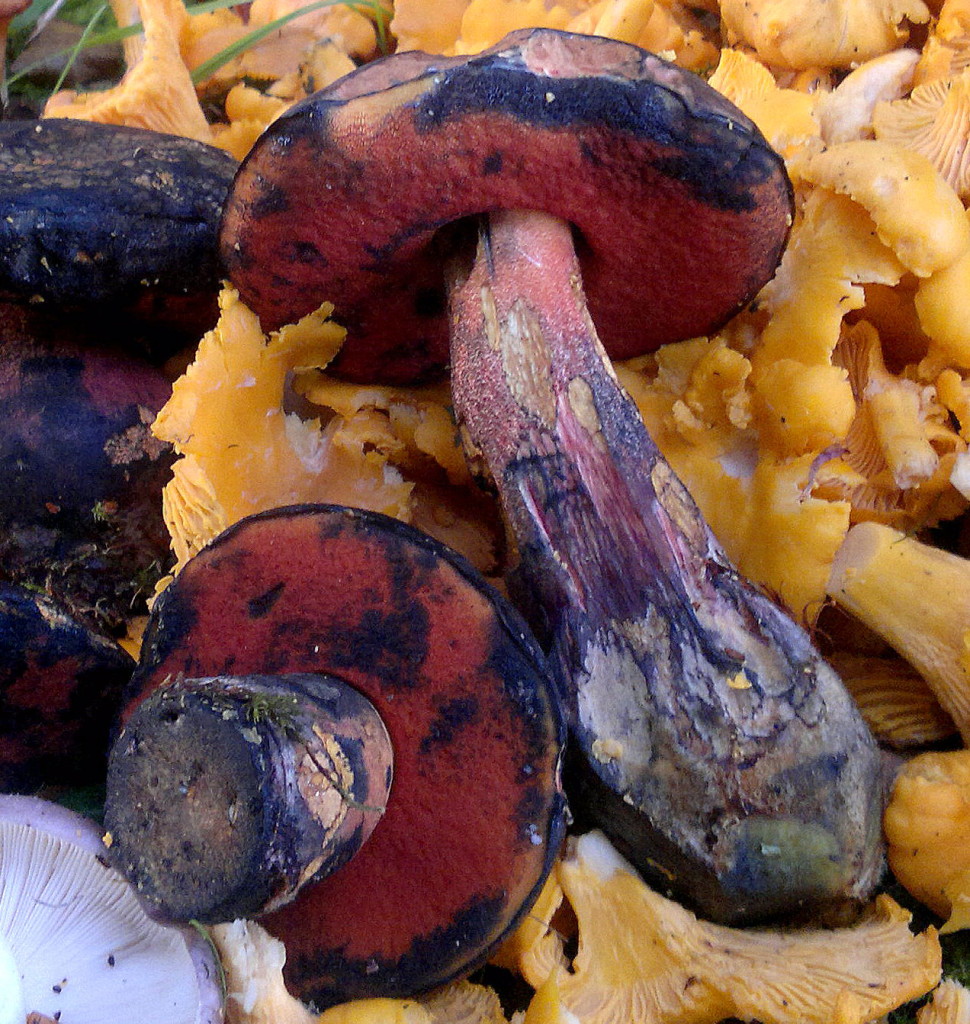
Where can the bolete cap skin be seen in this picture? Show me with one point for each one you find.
(680, 206)
(475, 815)
(80, 515)
(112, 219)
(60, 688)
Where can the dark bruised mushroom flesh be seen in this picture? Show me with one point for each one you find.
(708, 738)
(251, 663)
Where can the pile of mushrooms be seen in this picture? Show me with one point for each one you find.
(335, 723)
(101, 228)
(708, 737)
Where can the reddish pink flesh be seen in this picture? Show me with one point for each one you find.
(405, 628)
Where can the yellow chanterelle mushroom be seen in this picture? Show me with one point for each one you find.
(917, 598)
(927, 826)
(644, 957)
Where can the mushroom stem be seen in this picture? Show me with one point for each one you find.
(708, 735)
(232, 793)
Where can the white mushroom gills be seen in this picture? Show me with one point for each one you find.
(75, 943)
(13, 1010)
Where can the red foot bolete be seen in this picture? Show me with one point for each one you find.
(61, 685)
(709, 739)
(680, 208)
(80, 507)
(117, 220)
(322, 598)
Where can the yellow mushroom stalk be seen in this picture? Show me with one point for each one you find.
(917, 598)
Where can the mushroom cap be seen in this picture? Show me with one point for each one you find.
(111, 218)
(475, 814)
(82, 471)
(680, 206)
(61, 684)
(81, 938)
(12, 1007)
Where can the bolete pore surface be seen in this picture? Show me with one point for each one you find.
(279, 610)
(681, 210)
(709, 739)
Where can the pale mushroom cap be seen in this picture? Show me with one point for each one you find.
(12, 1007)
(80, 938)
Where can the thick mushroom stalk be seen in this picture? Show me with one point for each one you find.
(713, 744)
(233, 793)
(710, 739)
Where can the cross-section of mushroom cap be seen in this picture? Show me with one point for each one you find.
(81, 940)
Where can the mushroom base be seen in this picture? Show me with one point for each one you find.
(225, 796)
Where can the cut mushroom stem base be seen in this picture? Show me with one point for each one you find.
(228, 794)
(709, 739)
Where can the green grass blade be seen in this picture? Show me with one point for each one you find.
(105, 37)
(372, 8)
(79, 45)
(213, 64)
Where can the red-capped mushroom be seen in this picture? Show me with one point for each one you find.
(80, 509)
(680, 208)
(339, 606)
(61, 684)
(710, 740)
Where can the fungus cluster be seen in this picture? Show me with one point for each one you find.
(679, 676)
(107, 253)
(839, 395)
